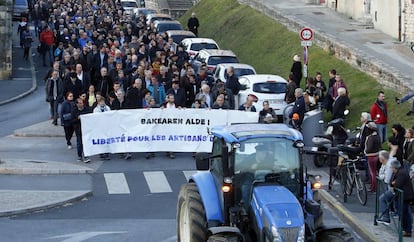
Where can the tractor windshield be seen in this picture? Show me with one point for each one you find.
(268, 160)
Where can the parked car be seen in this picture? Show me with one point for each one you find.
(212, 58)
(220, 72)
(163, 25)
(157, 16)
(179, 35)
(193, 45)
(129, 6)
(19, 7)
(265, 87)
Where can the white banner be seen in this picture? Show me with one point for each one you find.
(152, 130)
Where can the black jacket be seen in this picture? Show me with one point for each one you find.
(401, 180)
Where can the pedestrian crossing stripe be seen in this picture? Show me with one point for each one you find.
(157, 182)
(116, 183)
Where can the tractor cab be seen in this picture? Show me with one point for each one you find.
(263, 161)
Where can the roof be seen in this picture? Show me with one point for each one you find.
(264, 78)
(199, 40)
(180, 32)
(236, 65)
(215, 52)
(240, 132)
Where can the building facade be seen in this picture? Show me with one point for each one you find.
(393, 17)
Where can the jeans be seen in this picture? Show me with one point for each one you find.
(406, 98)
(382, 131)
(55, 108)
(385, 202)
(48, 52)
(79, 145)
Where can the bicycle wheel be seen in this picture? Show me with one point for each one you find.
(332, 177)
(361, 190)
(343, 181)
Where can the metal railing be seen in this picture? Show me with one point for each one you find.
(397, 199)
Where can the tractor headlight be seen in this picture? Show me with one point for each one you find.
(275, 235)
(301, 236)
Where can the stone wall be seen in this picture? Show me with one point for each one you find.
(382, 73)
(6, 39)
(408, 21)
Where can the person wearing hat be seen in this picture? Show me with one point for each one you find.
(371, 151)
(296, 70)
(401, 180)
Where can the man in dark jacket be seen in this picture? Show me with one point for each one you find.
(290, 90)
(178, 93)
(232, 81)
(299, 108)
(193, 24)
(78, 110)
(134, 95)
(401, 180)
(54, 94)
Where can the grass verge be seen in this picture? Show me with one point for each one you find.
(268, 46)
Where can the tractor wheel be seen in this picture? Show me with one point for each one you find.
(335, 236)
(319, 160)
(191, 215)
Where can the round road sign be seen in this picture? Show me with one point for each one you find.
(306, 34)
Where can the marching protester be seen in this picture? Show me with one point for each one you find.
(78, 110)
(100, 108)
(66, 118)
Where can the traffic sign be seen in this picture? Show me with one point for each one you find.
(412, 47)
(306, 34)
(306, 43)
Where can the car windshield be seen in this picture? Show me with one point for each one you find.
(261, 158)
(129, 4)
(270, 87)
(178, 38)
(165, 27)
(200, 46)
(215, 60)
(243, 72)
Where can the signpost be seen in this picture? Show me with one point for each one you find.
(306, 36)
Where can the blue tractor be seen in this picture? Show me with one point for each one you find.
(252, 187)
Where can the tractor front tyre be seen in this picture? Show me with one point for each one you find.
(191, 215)
(334, 236)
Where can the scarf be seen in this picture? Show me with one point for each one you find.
(382, 106)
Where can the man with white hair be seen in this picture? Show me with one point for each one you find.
(193, 24)
(299, 108)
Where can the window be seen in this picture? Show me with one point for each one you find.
(270, 87)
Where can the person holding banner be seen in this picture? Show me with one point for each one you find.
(171, 105)
(78, 110)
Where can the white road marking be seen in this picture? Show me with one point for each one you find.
(116, 183)
(157, 182)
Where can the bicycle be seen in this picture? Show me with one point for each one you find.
(347, 174)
